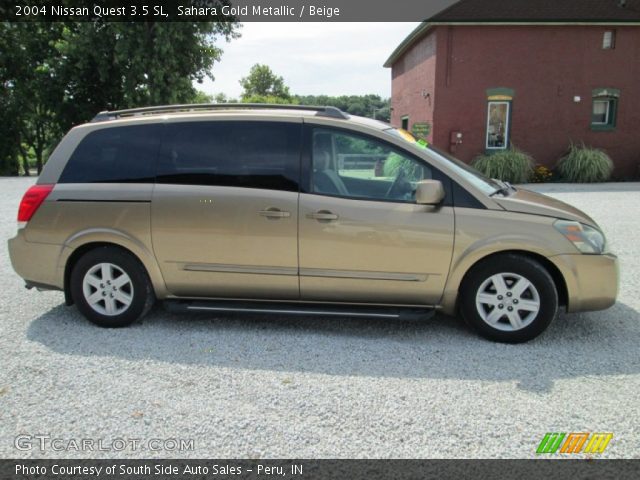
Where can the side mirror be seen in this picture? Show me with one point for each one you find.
(429, 192)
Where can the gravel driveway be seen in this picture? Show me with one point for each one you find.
(258, 387)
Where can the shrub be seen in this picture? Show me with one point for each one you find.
(541, 174)
(511, 165)
(584, 164)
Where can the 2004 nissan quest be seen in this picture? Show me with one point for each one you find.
(290, 209)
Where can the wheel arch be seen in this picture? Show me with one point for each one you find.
(452, 304)
(151, 269)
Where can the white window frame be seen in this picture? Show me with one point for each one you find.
(402, 119)
(607, 113)
(506, 124)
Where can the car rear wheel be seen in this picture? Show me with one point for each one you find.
(509, 298)
(111, 288)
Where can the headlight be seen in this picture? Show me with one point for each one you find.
(585, 238)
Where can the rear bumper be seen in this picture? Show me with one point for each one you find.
(592, 280)
(36, 263)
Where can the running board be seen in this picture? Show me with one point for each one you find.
(304, 309)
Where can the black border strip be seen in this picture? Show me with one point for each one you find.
(177, 469)
(300, 11)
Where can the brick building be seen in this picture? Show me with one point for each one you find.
(482, 75)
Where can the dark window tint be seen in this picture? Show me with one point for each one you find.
(111, 155)
(464, 199)
(235, 154)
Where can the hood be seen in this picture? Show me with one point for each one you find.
(526, 201)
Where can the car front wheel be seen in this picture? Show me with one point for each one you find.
(509, 298)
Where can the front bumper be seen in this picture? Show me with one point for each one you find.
(591, 280)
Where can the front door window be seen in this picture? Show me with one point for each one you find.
(349, 165)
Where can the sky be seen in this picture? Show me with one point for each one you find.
(332, 58)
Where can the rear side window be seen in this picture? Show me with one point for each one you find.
(233, 154)
(115, 155)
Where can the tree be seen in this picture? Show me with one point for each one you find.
(202, 97)
(262, 82)
(9, 163)
(39, 90)
(363, 105)
(112, 65)
(59, 74)
(34, 89)
(9, 109)
(271, 99)
(223, 98)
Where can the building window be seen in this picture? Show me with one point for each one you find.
(601, 112)
(498, 117)
(609, 40)
(405, 122)
(604, 108)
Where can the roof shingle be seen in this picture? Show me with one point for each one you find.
(525, 11)
(540, 11)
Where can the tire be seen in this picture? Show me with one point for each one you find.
(508, 298)
(111, 288)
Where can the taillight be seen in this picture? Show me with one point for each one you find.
(32, 200)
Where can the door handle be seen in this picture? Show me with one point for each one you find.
(323, 215)
(274, 213)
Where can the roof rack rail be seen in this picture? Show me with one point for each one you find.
(332, 112)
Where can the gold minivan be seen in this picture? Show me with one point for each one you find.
(293, 209)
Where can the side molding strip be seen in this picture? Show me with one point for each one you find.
(241, 269)
(364, 275)
(305, 272)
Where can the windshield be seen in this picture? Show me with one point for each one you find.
(470, 174)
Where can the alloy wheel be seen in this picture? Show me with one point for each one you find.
(507, 301)
(107, 289)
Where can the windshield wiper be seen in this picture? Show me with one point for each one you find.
(502, 191)
(504, 188)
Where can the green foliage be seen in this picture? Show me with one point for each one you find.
(201, 97)
(511, 165)
(262, 85)
(222, 98)
(262, 82)
(584, 164)
(9, 163)
(363, 105)
(272, 99)
(395, 163)
(33, 87)
(10, 138)
(111, 65)
(56, 75)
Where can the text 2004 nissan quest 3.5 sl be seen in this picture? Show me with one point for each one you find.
(290, 209)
